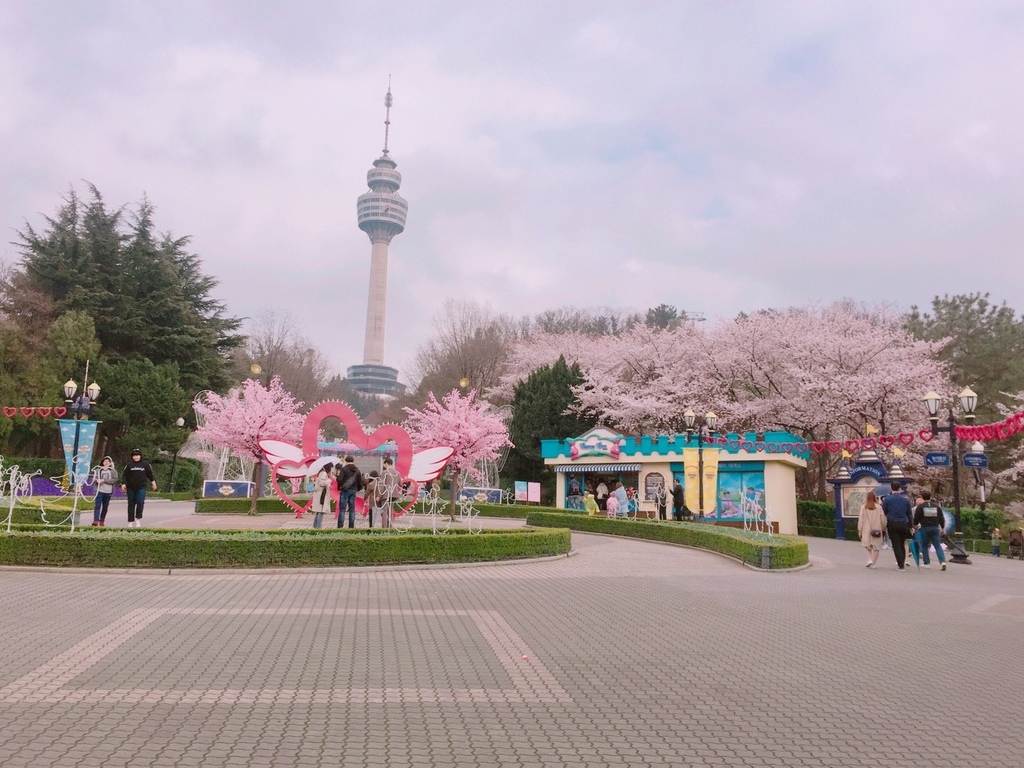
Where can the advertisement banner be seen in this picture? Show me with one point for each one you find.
(533, 492)
(690, 483)
(521, 492)
(86, 441)
(710, 482)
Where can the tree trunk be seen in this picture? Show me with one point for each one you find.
(456, 475)
(255, 487)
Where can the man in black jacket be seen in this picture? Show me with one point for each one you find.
(350, 481)
(898, 519)
(929, 516)
(136, 476)
(679, 510)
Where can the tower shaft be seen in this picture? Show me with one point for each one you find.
(376, 305)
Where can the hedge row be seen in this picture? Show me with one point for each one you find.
(155, 548)
(782, 551)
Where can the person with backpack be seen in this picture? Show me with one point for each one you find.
(928, 515)
(350, 482)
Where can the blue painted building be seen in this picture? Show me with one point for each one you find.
(743, 471)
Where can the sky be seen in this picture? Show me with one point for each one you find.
(715, 156)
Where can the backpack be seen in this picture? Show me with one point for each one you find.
(350, 482)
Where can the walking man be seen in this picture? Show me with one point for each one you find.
(899, 519)
(136, 476)
(928, 515)
(350, 482)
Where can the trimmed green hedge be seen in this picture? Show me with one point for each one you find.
(267, 505)
(155, 548)
(817, 518)
(783, 551)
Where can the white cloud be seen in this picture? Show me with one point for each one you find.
(720, 157)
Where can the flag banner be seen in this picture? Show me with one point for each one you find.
(710, 482)
(86, 442)
(691, 473)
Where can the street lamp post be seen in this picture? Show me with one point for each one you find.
(82, 405)
(710, 422)
(968, 402)
(174, 462)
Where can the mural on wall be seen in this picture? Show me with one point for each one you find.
(739, 491)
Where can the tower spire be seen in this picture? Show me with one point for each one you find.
(387, 116)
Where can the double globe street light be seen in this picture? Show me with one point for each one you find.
(968, 402)
(80, 406)
(708, 428)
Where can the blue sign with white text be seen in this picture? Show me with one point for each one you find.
(975, 460)
(936, 459)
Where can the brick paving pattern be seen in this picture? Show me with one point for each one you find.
(627, 654)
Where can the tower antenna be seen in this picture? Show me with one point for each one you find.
(387, 116)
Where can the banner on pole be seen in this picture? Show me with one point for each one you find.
(710, 482)
(86, 441)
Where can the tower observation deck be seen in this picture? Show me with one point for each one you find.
(381, 215)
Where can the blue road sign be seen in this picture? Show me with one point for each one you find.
(975, 460)
(936, 459)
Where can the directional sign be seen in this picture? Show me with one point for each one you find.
(975, 460)
(936, 459)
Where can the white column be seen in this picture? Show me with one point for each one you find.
(376, 305)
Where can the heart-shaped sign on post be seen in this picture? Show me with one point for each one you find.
(292, 461)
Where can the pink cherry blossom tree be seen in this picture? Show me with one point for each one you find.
(823, 373)
(461, 422)
(246, 415)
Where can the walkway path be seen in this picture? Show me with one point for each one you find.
(629, 653)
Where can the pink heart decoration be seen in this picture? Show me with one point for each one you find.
(734, 445)
(818, 447)
(835, 446)
(10, 412)
(887, 441)
(788, 447)
(26, 412)
(773, 447)
(926, 434)
(759, 446)
(356, 436)
(284, 464)
(44, 412)
(852, 445)
(747, 445)
(867, 443)
(723, 440)
(60, 411)
(906, 438)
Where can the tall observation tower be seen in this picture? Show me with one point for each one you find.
(381, 214)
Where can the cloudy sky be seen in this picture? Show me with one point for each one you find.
(717, 156)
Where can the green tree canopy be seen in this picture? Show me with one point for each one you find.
(539, 411)
(985, 349)
(146, 293)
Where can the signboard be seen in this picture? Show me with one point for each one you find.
(481, 495)
(226, 489)
(522, 493)
(533, 492)
(936, 459)
(975, 460)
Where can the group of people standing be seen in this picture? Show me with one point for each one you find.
(901, 521)
(378, 489)
(136, 478)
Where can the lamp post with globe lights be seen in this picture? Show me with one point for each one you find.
(968, 402)
(708, 428)
(80, 406)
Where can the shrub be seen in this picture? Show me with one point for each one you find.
(783, 551)
(156, 548)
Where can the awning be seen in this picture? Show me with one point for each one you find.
(597, 468)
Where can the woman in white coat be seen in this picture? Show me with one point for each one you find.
(321, 495)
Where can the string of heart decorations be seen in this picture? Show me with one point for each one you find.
(830, 446)
(43, 411)
(1000, 430)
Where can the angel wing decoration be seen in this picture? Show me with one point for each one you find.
(427, 464)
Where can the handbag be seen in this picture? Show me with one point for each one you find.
(875, 533)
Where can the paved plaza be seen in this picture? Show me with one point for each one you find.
(627, 653)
